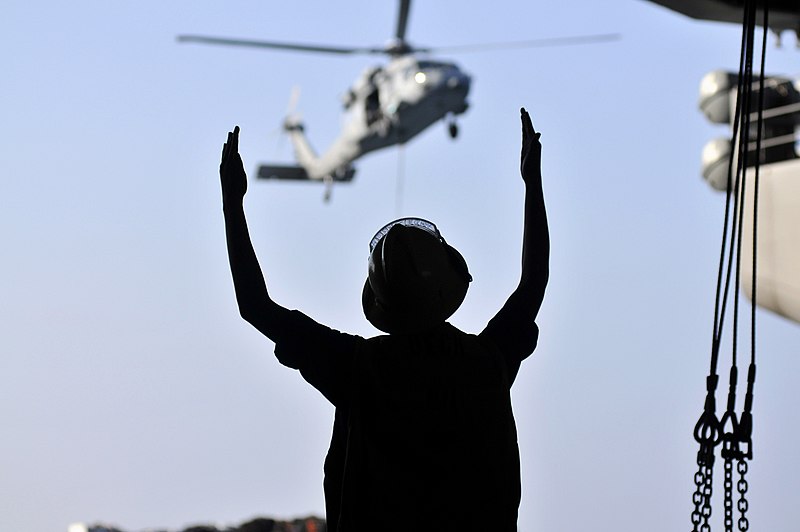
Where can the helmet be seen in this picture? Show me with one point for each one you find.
(415, 279)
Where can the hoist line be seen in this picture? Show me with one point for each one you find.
(756, 182)
(728, 425)
(710, 431)
(741, 430)
(720, 299)
(401, 173)
(746, 420)
(741, 123)
(746, 80)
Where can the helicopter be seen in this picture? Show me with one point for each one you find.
(387, 105)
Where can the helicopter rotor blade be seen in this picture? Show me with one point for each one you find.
(534, 43)
(402, 20)
(340, 50)
(294, 97)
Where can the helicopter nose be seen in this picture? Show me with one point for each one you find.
(458, 81)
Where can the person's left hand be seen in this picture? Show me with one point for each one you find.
(231, 170)
(531, 163)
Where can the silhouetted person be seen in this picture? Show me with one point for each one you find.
(424, 436)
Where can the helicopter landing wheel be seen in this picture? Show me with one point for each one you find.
(452, 129)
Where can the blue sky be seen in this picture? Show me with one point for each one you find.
(132, 393)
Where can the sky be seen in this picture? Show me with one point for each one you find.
(132, 393)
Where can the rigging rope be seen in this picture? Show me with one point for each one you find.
(401, 173)
(734, 432)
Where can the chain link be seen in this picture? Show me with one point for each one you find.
(708, 489)
(741, 487)
(697, 497)
(704, 486)
(728, 487)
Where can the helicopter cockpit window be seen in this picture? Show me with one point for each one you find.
(423, 65)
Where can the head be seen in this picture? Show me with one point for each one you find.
(415, 279)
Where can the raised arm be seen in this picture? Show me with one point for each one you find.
(527, 298)
(322, 355)
(255, 304)
(513, 328)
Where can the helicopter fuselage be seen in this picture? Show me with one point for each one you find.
(414, 94)
(386, 106)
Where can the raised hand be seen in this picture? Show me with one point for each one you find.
(231, 170)
(531, 161)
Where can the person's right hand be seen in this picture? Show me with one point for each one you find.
(531, 163)
(231, 170)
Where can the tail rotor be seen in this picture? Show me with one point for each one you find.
(292, 119)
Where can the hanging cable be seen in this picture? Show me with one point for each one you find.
(745, 428)
(729, 423)
(401, 174)
(734, 432)
(708, 430)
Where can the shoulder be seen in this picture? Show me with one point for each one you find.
(517, 338)
(303, 340)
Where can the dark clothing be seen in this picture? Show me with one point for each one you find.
(424, 436)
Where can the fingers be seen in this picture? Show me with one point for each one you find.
(528, 133)
(527, 125)
(523, 116)
(231, 144)
(235, 135)
(226, 147)
(224, 152)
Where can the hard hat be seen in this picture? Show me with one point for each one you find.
(415, 279)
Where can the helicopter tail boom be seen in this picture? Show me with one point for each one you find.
(298, 173)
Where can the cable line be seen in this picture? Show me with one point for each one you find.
(733, 431)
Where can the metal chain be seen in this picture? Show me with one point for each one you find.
(704, 478)
(728, 485)
(708, 489)
(741, 487)
(701, 498)
(697, 497)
